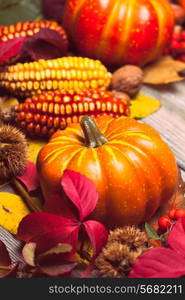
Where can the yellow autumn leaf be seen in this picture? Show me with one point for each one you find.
(12, 211)
(142, 106)
(34, 147)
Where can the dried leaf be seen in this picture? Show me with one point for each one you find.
(12, 211)
(142, 106)
(30, 177)
(163, 71)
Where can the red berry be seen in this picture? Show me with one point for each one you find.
(171, 213)
(164, 222)
(179, 213)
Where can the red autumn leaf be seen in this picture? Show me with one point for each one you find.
(48, 229)
(81, 191)
(7, 269)
(34, 225)
(56, 261)
(176, 238)
(57, 264)
(46, 44)
(164, 262)
(58, 269)
(59, 204)
(97, 234)
(61, 234)
(10, 48)
(30, 177)
(159, 263)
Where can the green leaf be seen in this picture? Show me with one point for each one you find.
(164, 236)
(13, 11)
(142, 106)
(151, 232)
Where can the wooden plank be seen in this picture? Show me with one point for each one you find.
(169, 121)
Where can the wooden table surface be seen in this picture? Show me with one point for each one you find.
(169, 121)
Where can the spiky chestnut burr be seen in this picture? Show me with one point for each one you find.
(124, 246)
(13, 160)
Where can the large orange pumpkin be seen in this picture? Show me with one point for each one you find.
(119, 31)
(132, 167)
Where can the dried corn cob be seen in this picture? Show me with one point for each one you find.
(45, 113)
(26, 29)
(63, 73)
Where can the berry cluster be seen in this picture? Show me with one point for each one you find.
(177, 45)
(165, 222)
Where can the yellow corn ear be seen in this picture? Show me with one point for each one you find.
(64, 73)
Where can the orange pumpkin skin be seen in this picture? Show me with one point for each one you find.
(135, 172)
(119, 32)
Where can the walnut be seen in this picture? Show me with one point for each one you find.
(128, 79)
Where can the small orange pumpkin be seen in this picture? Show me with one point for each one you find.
(133, 169)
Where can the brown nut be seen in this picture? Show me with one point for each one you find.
(127, 79)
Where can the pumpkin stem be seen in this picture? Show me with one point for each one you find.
(93, 137)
